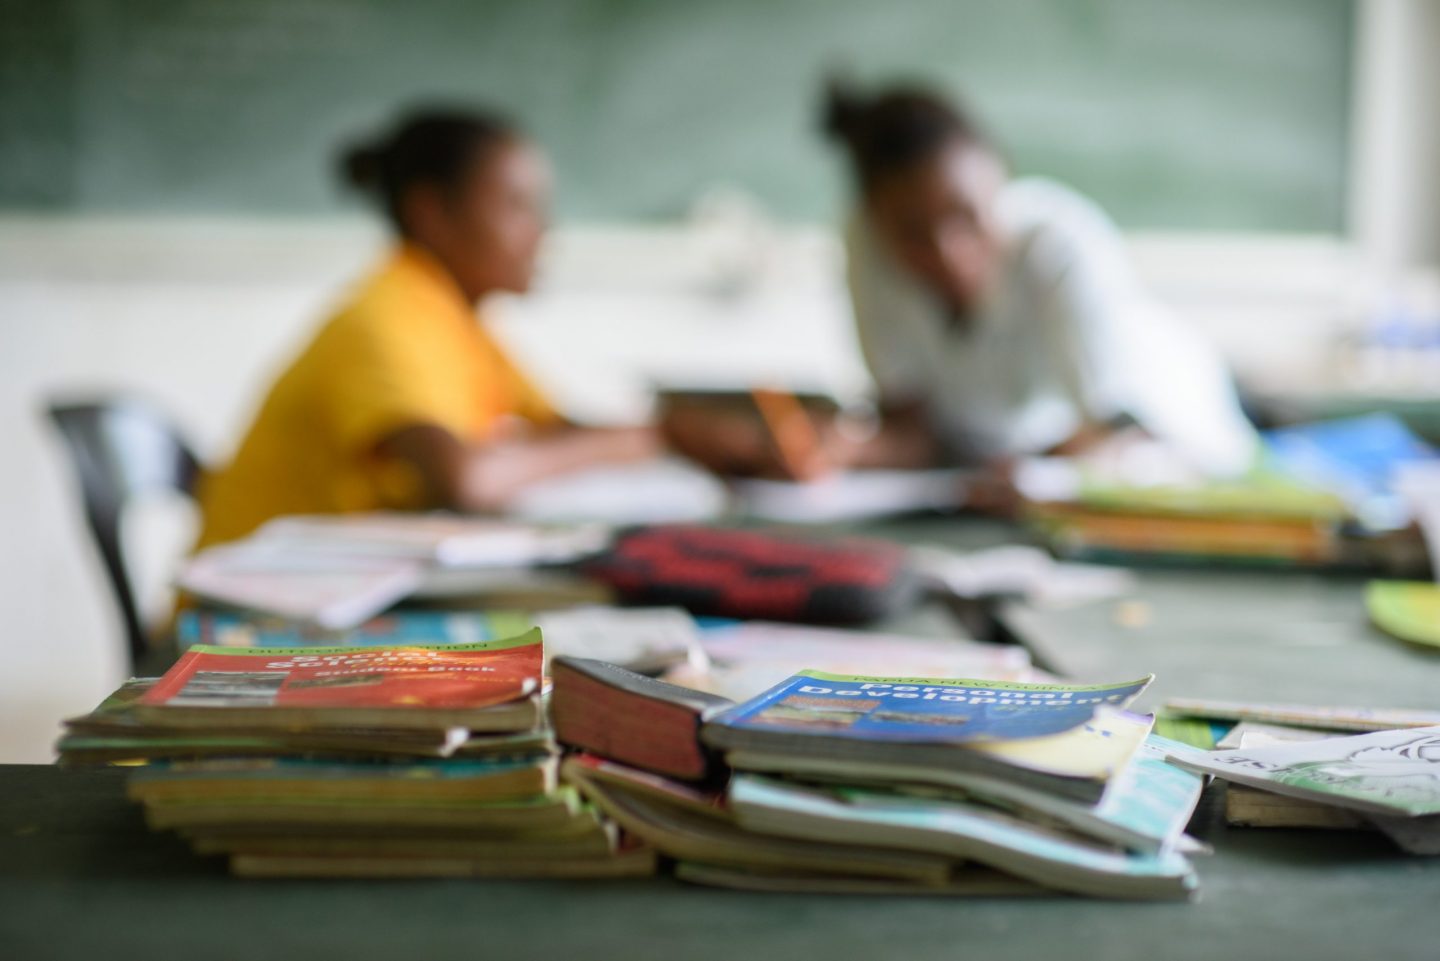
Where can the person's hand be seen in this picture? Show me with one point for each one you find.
(993, 490)
(738, 444)
(730, 443)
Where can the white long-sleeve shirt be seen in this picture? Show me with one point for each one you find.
(1066, 335)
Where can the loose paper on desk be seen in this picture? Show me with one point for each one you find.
(749, 657)
(439, 539)
(333, 593)
(1387, 772)
(1019, 570)
(852, 495)
(1419, 484)
(663, 491)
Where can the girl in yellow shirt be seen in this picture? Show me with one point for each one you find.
(402, 401)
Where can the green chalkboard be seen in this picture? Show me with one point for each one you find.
(1226, 114)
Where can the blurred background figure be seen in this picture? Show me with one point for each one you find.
(402, 401)
(1002, 317)
(998, 317)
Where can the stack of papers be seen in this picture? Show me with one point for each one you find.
(665, 491)
(1389, 778)
(446, 540)
(1019, 571)
(853, 495)
(337, 571)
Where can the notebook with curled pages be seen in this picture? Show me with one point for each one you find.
(1386, 773)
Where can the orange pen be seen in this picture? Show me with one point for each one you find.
(790, 429)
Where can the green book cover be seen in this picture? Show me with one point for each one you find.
(1409, 610)
(1387, 772)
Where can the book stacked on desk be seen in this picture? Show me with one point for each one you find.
(117, 732)
(837, 783)
(416, 761)
(1252, 522)
(1296, 777)
(1327, 494)
(1299, 766)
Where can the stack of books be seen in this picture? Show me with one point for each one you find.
(1268, 523)
(1293, 777)
(900, 785)
(373, 761)
(1336, 493)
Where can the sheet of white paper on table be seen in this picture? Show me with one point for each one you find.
(852, 495)
(1418, 484)
(639, 638)
(666, 490)
(1020, 570)
(1248, 734)
(1420, 836)
(749, 657)
(442, 539)
(335, 592)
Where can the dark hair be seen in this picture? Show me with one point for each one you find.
(894, 129)
(426, 146)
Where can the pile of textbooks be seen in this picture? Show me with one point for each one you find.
(840, 783)
(1339, 493)
(414, 761)
(443, 761)
(1266, 525)
(1297, 766)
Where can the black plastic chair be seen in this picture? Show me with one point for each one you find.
(123, 449)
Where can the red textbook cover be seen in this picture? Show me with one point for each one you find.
(439, 676)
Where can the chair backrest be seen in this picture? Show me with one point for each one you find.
(122, 449)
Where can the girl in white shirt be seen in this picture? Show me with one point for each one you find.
(1001, 317)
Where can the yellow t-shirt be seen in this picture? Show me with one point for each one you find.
(407, 349)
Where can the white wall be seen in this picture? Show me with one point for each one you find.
(199, 315)
(1395, 183)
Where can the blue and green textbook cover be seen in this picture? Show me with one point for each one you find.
(925, 710)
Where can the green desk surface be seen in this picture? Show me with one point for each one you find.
(1240, 636)
(81, 878)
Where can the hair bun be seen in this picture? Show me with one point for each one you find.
(427, 145)
(843, 112)
(360, 167)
